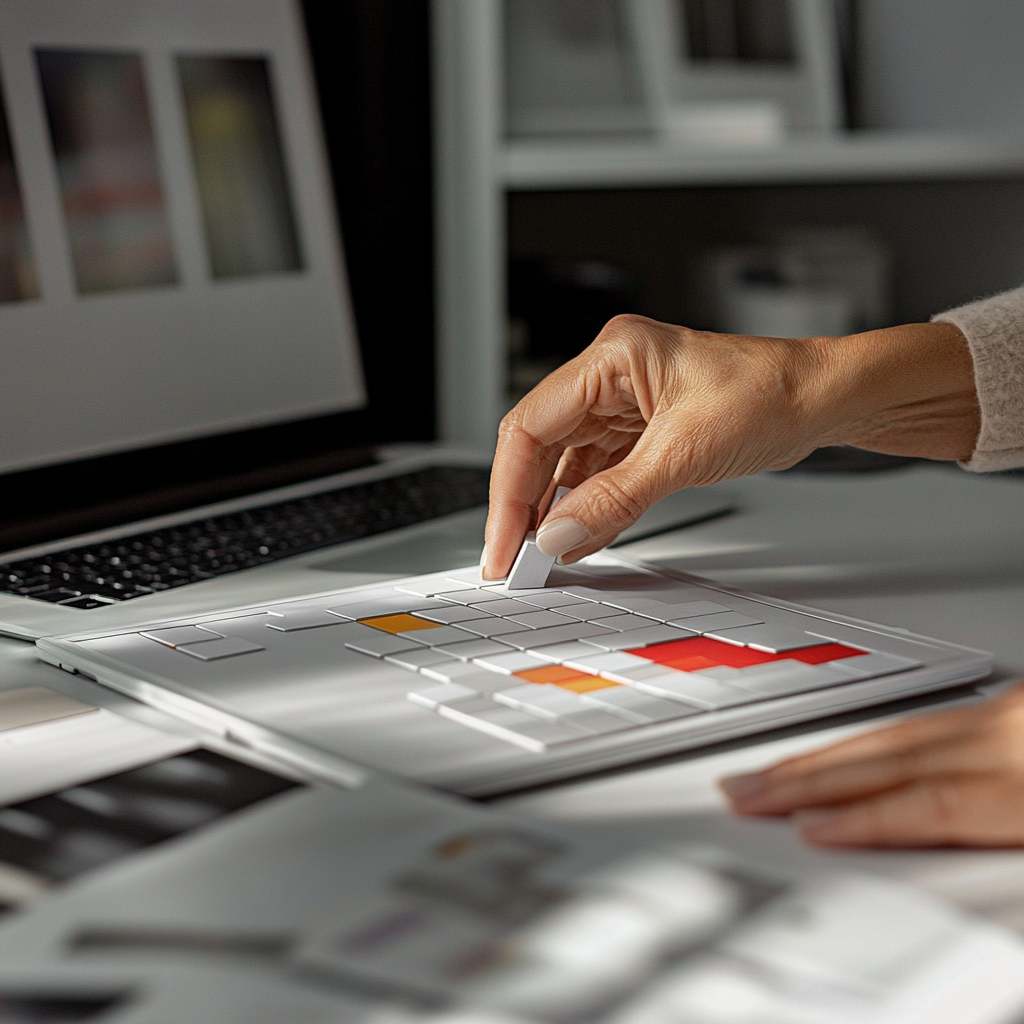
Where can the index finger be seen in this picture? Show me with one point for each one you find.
(531, 440)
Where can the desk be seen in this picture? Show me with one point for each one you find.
(932, 549)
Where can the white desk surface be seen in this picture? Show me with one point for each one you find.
(938, 551)
(933, 549)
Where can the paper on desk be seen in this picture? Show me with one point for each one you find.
(499, 918)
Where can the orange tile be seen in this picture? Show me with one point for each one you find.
(548, 674)
(586, 684)
(398, 623)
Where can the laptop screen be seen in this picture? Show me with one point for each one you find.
(170, 265)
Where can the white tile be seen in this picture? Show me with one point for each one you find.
(469, 597)
(394, 604)
(226, 647)
(302, 618)
(539, 618)
(473, 648)
(548, 599)
(779, 678)
(551, 701)
(418, 658)
(519, 727)
(428, 586)
(607, 662)
(596, 721)
(172, 636)
(451, 613)
(874, 664)
(492, 626)
(639, 707)
(433, 696)
(512, 661)
(376, 642)
(587, 611)
(557, 653)
(531, 567)
(714, 624)
(530, 639)
(683, 610)
(507, 606)
(623, 623)
(639, 637)
(692, 689)
(770, 637)
(452, 671)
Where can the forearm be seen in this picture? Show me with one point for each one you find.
(905, 390)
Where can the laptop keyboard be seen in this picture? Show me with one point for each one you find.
(97, 575)
(553, 666)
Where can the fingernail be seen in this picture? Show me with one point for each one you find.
(561, 535)
(744, 787)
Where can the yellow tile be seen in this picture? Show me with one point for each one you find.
(586, 684)
(399, 623)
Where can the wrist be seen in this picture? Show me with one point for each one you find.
(906, 390)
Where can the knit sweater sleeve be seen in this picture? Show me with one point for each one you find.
(994, 329)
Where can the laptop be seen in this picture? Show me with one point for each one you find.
(479, 688)
(184, 403)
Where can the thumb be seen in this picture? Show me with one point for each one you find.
(600, 508)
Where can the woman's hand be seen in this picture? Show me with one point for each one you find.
(955, 778)
(650, 408)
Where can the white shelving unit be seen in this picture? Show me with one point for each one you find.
(477, 166)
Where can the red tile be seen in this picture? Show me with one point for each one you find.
(824, 652)
(715, 652)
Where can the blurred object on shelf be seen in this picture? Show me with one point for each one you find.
(556, 308)
(572, 68)
(780, 58)
(717, 72)
(803, 282)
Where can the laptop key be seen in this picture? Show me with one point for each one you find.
(780, 678)
(877, 663)
(506, 606)
(596, 721)
(225, 647)
(587, 611)
(558, 653)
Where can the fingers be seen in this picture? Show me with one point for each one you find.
(605, 503)
(978, 811)
(879, 742)
(530, 442)
(837, 783)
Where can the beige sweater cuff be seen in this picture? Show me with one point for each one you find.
(994, 329)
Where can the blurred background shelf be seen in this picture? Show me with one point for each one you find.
(540, 233)
(856, 156)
